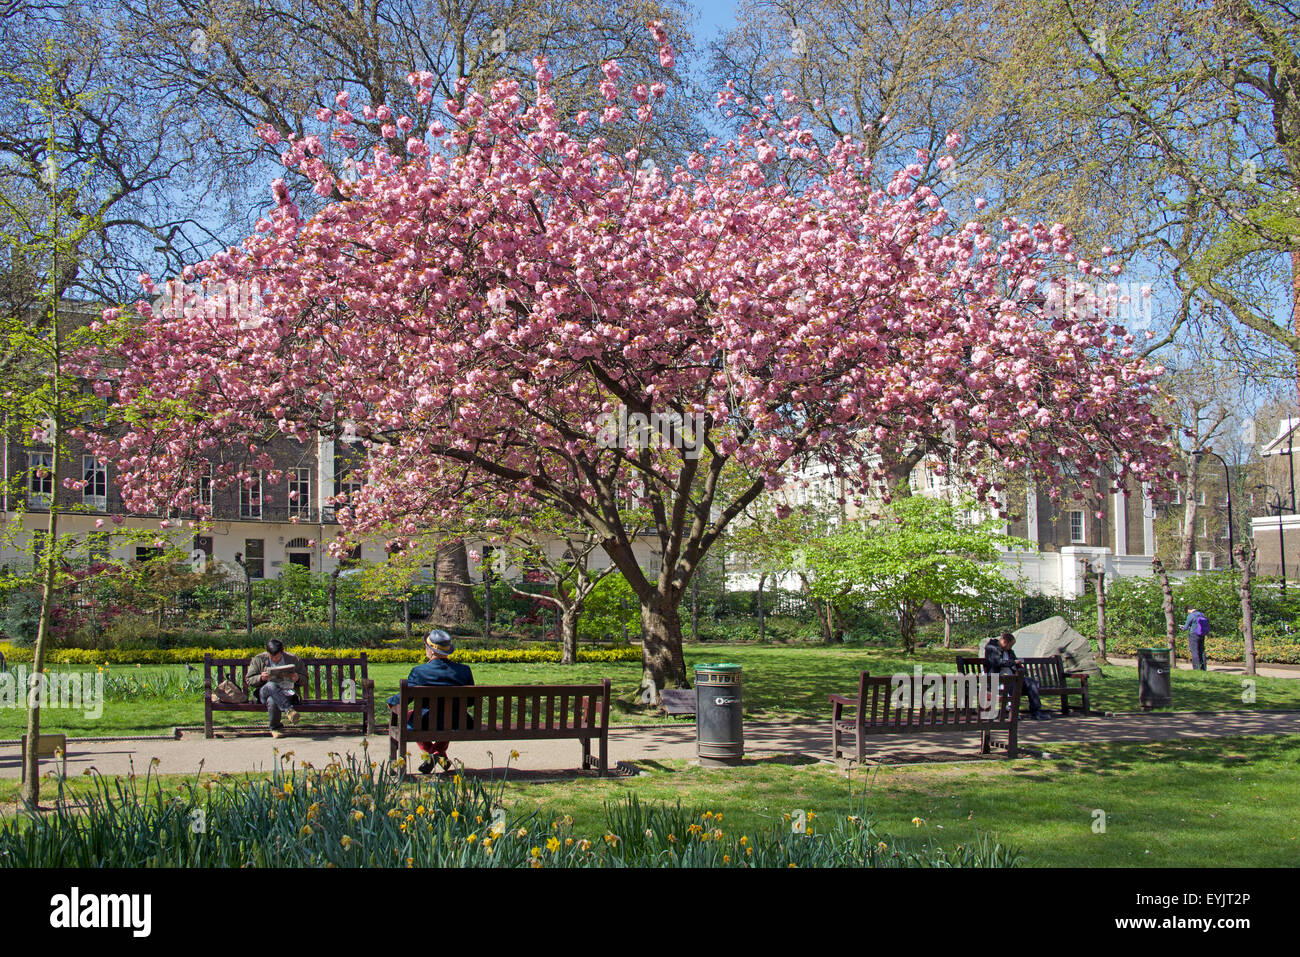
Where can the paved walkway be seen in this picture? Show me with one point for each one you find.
(787, 742)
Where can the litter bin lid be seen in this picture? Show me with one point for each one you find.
(719, 667)
(1153, 651)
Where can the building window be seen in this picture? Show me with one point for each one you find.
(1205, 526)
(203, 488)
(40, 479)
(95, 474)
(255, 557)
(1076, 527)
(346, 487)
(147, 553)
(300, 492)
(250, 497)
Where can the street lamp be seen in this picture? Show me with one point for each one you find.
(1227, 485)
(1281, 537)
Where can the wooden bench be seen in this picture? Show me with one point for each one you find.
(884, 706)
(503, 713)
(1050, 674)
(333, 686)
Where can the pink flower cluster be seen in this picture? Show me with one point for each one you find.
(473, 310)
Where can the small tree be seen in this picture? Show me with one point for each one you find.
(1098, 573)
(922, 549)
(1246, 559)
(1171, 623)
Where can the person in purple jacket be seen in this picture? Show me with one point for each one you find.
(1197, 627)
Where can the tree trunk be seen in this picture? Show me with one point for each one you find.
(406, 615)
(762, 622)
(836, 622)
(662, 664)
(1171, 623)
(907, 628)
(1187, 546)
(31, 792)
(569, 615)
(1246, 555)
(454, 602)
(1101, 615)
(947, 626)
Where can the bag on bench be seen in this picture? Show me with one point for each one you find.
(229, 693)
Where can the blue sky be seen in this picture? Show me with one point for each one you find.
(715, 16)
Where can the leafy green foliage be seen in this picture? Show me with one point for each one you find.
(921, 550)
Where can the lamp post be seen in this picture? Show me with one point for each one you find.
(1281, 536)
(1227, 485)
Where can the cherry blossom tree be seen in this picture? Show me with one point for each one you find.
(514, 307)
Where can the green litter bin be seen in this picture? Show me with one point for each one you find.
(1153, 678)
(719, 728)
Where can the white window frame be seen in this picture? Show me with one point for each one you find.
(203, 484)
(95, 474)
(261, 559)
(300, 482)
(250, 499)
(40, 489)
(1082, 536)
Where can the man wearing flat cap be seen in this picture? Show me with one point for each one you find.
(438, 669)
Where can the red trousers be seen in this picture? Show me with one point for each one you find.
(435, 747)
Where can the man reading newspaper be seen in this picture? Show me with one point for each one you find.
(273, 677)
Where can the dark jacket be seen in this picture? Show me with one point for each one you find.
(999, 661)
(439, 672)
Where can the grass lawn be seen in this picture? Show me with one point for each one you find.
(1230, 802)
(1195, 803)
(781, 683)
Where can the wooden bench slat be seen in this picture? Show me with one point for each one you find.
(500, 712)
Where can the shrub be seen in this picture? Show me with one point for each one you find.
(612, 611)
(22, 618)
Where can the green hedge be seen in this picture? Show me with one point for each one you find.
(170, 656)
(1269, 649)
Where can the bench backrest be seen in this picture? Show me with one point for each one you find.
(1048, 672)
(511, 711)
(328, 679)
(901, 701)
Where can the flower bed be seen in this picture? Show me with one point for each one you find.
(359, 815)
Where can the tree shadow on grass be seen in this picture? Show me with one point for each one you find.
(1114, 759)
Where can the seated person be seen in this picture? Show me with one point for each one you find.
(278, 692)
(437, 670)
(1000, 659)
